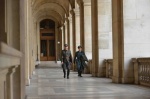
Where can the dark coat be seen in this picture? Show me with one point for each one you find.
(66, 56)
(79, 61)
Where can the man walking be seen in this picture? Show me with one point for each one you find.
(80, 59)
(66, 60)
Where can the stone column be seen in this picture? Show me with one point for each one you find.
(3, 34)
(23, 31)
(38, 40)
(34, 45)
(56, 40)
(59, 43)
(73, 34)
(16, 83)
(31, 47)
(62, 32)
(82, 35)
(27, 59)
(27, 44)
(13, 31)
(95, 52)
(71, 39)
(118, 46)
(68, 31)
(77, 26)
(10, 82)
(70, 35)
(81, 8)
(3, 93)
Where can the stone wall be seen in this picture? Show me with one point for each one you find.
(104, 33)
(136, 14)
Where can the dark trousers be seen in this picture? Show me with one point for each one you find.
(66, 65)
(80, 67)
(79, 72)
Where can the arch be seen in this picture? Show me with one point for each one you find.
(49, 13)
(47, 17)
(61, 3)
(50, 6)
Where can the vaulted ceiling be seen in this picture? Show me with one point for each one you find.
(54, 9)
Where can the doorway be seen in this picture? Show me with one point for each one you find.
(47, 40)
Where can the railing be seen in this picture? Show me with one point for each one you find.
(109, 67)
(142, 71)
(10, 80)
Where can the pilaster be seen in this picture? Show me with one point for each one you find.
(95, 49)
(118, 40)
(73, 33)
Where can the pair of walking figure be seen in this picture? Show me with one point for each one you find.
(67, 60)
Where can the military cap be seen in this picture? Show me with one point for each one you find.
(79, 46)
(65, 45)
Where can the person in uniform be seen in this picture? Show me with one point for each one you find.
(66, 60)
(79, 61)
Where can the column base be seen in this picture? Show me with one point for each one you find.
(129, 80)
(94, 74)
(27, 82)
(116, 80)
(103, 74)
(123, 80)
(86, 71)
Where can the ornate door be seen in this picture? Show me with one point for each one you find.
(47, 45)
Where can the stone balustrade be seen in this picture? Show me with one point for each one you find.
(88, 68)
(109, 67)
(10, 80)
(142, 71)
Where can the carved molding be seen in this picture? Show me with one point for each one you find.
(9, 51)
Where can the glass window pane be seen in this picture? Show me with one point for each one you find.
(51, 48)
(43, 47)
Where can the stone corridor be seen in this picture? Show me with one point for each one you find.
(48, 83)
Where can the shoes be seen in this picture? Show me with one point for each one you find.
(79, 76)
(64, 76)
(67, 77)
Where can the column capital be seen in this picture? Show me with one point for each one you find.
(72, 12)
(65, 23)
(77, 12)
(61, 28)
(87, 2)
(70, 19)
(80, 2)
(66, 19)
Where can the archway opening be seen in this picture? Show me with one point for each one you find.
(47, 40)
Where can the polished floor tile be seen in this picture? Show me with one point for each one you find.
(48, 83)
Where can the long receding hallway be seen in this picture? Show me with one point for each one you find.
(105, 41)
(48, 83)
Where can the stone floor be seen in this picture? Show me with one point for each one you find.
(48, 83)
